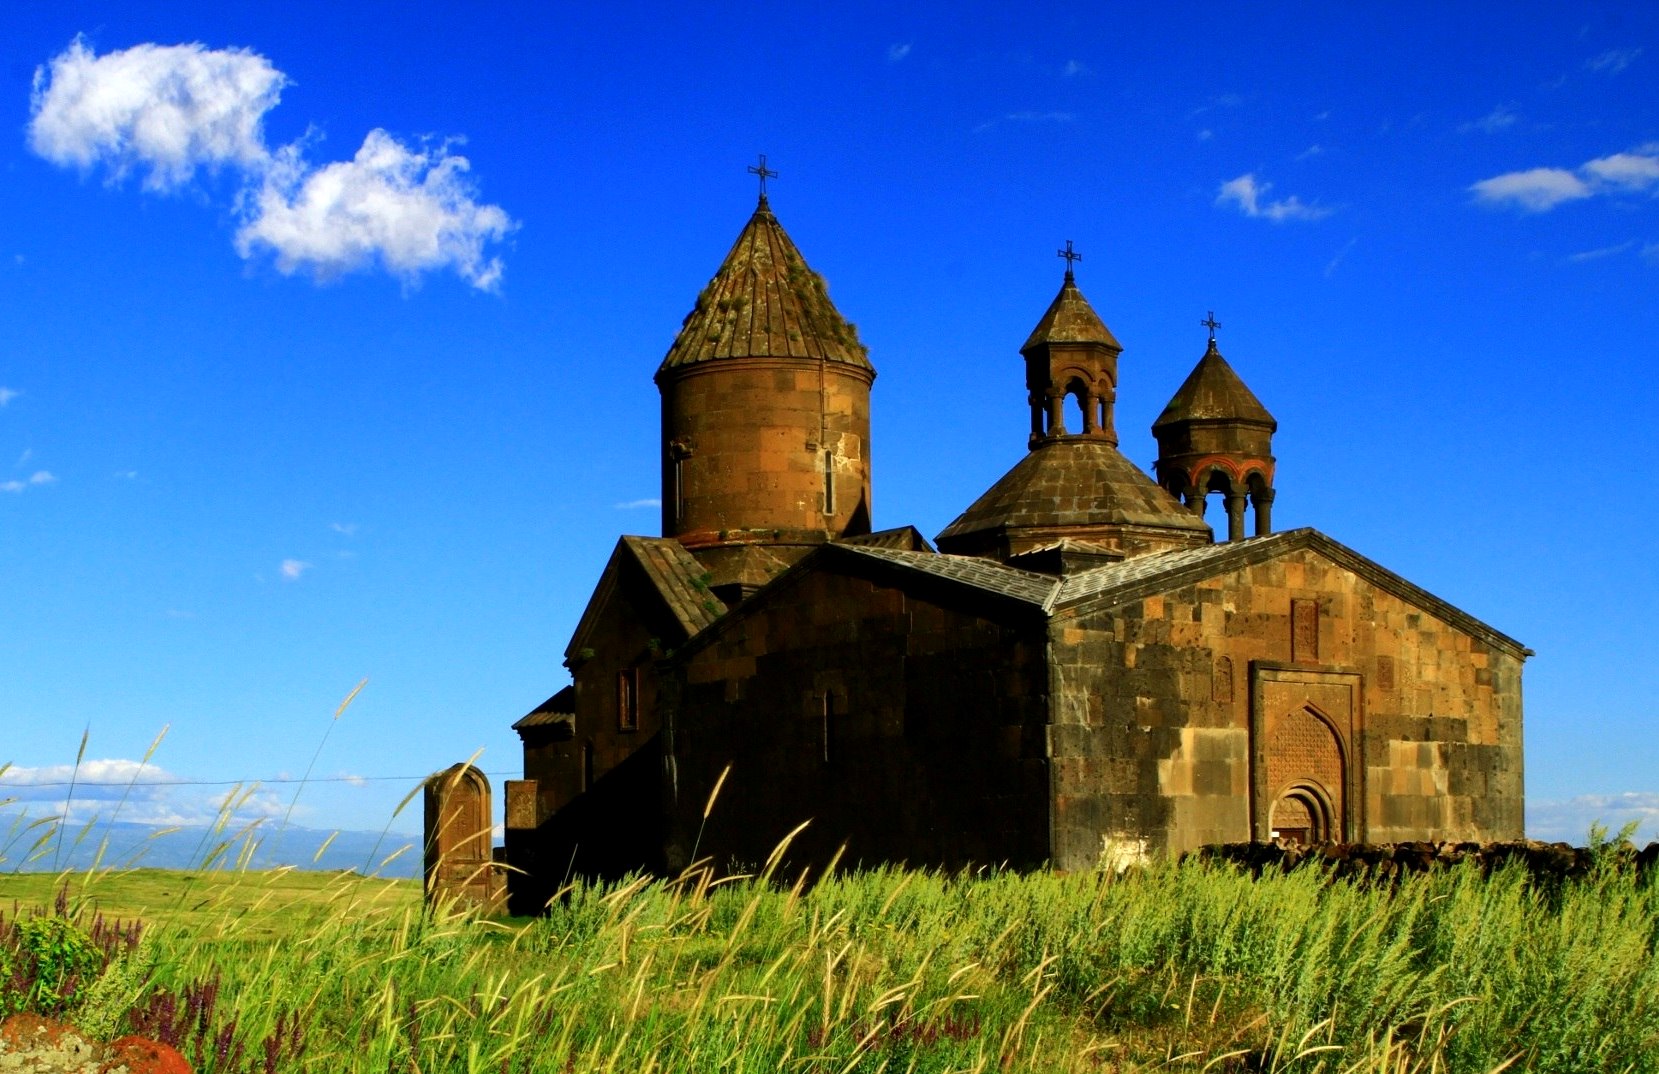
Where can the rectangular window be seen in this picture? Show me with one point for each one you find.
(627, 699)
(679, 490)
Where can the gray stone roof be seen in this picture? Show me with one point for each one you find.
(1214, 392)
(983, 574)
(1072, 483)
(676, 575)
(1070, 319)
(765, 302)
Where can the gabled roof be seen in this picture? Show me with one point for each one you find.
(1160, 572)
(1130, 580)
(907, 538)
(765, 302)
(985, 575)
(1213, 392)
(1073, 483)
(674, 576)
(1070, 319)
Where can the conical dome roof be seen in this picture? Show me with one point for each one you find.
(765, 302)
(1213, 392)
(1070, 319)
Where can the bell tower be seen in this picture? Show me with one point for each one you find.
(765, 413)
(1071, 355)
(1215, 436)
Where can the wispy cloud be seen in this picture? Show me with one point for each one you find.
(8, 394)
(170, 112)
(1612, 61)
(34, 480)
(895, 53)
(293, 569)
(1541, 189)
(1568, 820)
(1073, 68)
(1205, 135)
(1311, 152)
(631, 505)
(346, 528)
(1250, 196)
(1650, 252)
(1223, 100)
(1331, 266)
(1597, 255)
(1502, 117)
(1026, 117)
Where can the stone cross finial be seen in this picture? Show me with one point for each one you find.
(1070, 255)
(1211, 323)
(764, 172)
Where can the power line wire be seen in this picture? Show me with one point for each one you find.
(5, 783)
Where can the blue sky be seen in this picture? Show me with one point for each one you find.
(328, 331)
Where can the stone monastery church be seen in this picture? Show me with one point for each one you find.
(1078, 668)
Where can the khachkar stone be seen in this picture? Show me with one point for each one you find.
(460, 856)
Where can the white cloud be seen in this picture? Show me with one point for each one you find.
(1205, 135)
(8, 394)
(168, 109)
(633, 504)
(1074, 68)
(28, 453)
(1535, 190)
(1500, 118)
(292, 569)
(1650, 252)
(1613, 60)
(127, 475)
(1311, 151)
(39, 477)
(1605, 251)
(173, 110)
(346, 528)
(1541, 189)
(409, 210)
(1249, 194)
(895, 53)
(1569, 820)
(1635, 171)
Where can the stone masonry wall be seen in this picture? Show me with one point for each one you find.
(908, 727)
(1164, 709)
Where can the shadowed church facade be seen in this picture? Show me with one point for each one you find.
(1078, 669)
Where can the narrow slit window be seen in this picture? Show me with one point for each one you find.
(829, 482)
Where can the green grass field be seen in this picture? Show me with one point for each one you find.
(1180, 967)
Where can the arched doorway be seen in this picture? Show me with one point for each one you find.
(1303, 814)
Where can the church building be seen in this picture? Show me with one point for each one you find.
(1079, 669)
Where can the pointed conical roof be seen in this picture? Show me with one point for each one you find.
(765, 302)
(1213, 392)
(1070, 319)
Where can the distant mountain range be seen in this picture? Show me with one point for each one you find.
(142, 845)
